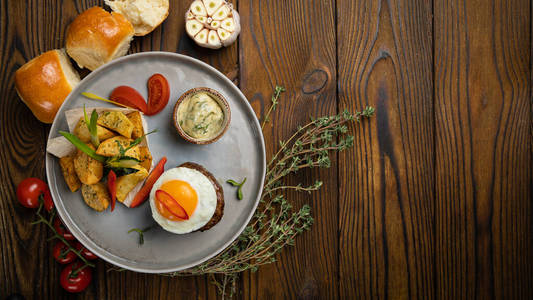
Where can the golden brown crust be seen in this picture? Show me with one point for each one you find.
(69, 174)
(96, 196)
(42, 85)
(89, 170)
(219, 211)
(100, 31)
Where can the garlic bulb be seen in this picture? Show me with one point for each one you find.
(212, 23)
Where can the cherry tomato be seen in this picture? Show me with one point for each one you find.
(85, 252)
(158, 94)
(62, 230)
(147, 187)
(170, 204)
(30, 190)
(112, 186)
(74, 280)
(62, 254)
(130, 97)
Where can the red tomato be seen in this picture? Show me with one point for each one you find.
(62, 230)
(129, 97)
(30, 190)
(62, 254)
(74, 280)
(158, 94)
(112, 186)
(147, 187)
(171, 204)
(85, 252)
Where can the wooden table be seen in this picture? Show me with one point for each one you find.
(434, 200)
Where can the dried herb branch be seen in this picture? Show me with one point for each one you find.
(275, 224)
(275, 97)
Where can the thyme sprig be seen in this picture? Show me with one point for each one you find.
(275, 223)
(275, 100)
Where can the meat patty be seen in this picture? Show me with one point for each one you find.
(219, 211)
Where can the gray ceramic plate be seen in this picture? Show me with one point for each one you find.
(239, 153)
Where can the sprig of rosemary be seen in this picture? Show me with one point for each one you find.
(275, 224)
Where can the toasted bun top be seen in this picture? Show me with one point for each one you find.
(44, 82)
(99, 30)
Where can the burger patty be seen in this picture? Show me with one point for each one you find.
(219, 211)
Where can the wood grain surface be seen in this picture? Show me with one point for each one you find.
(386, 215)
(433, 202)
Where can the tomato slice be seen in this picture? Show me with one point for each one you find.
(171, 204)
(147, 187)
(112, 186)
(158, 94)
(130, 97)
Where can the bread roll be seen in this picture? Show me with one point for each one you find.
(44, 82)
(145, 15)
(97, 36)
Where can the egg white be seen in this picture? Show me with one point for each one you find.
(207, 200)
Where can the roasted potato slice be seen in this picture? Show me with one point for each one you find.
(110, 147)
(136, 120)
(116, 121)
(126, 183)
(82, 132)
(146, 158)
(67, 168)
(96, 196)
(89, 170)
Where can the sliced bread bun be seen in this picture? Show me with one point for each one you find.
(96, 36)
(44, 82)
(145, 15)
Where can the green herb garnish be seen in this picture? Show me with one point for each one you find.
(136, 142)
(92, 126)
(82, 146)
(239, 185)
(141, 233)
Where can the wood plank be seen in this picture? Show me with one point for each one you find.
(293, 44)
(484, 244)
(28, 266)
(386, 208)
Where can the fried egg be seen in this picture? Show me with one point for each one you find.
(193, 191)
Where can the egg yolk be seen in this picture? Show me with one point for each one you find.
(182, 192)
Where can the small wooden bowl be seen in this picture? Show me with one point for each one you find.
(220, 100)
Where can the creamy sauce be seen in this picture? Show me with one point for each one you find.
(200, 116)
